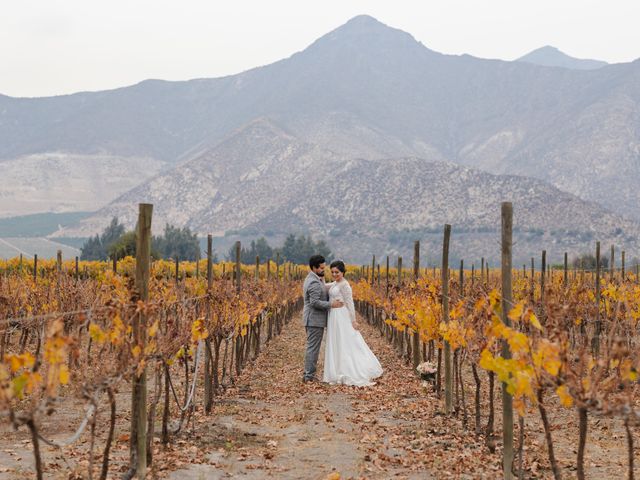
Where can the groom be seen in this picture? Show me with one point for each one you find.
(316, 308)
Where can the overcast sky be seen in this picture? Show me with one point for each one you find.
(50, 47)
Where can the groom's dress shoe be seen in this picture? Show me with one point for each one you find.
(310, 379)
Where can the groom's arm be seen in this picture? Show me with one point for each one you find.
(315, 297)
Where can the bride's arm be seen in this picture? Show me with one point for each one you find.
(327, 286)
(347, 294)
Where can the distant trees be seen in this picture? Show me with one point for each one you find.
(183, 244)
(116, 242)
(96, 248)
(588, 261)
(295, 249)
(177, 243)
(299, 249)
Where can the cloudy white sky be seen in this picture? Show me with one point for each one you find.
(50, 47)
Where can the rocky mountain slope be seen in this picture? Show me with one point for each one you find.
(263, 178)
(366, 90)
(60, 182)
(549, 56)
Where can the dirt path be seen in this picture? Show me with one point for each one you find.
(274, 425)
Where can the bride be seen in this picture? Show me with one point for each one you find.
(347, 358)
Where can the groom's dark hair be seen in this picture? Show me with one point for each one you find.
(316, 260)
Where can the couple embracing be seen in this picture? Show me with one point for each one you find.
(347, 358)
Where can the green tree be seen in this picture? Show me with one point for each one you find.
(588, 261)
(177, 243)
(96, 248)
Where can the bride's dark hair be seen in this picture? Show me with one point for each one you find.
(339, 264)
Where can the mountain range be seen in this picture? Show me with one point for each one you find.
(372, 98)
(549, 56)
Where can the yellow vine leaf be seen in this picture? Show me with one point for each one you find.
(516, 312)
(97, 334)
(533, 320)
(153, 329)
(198, 331)
(565, 398)
(16, 362)
(64, 374)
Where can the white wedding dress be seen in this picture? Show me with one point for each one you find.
(347, 357)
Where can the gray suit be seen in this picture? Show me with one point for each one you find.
(314, 315)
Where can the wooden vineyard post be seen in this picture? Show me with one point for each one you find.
(373, 270)
(622, 265)
(533, 281)
(277, 266)
(238, 269)
(612, 263)
(77, 270)
(139, 390)
(59, 262)
(208, 386)
(461, 278)
(566, 270)
(399, 272)
(543, 272)
(416, 260)
(482, 270)
(507, 294)
(20, 265)
(448, 371)
(387, 276)
(596, 337)
(415, 347)
(177, 272)
(473, 274)
(268, 269)
(378, 279)
(198, 263)
(114, 261)
(35, 268)
(257, 267)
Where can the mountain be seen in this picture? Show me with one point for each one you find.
(60, 182)
(262, 178)
(366, 90)
(552, 57)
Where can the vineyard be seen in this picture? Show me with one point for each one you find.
(153, 348)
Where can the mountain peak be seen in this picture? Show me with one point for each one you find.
(366, 32)
(550, 56)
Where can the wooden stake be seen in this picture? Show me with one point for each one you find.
(208, 386)
(448, 371)
(543, 272)
(596, 337)
(387, 276)
(238, 270)
(373, 269)
(507, 294)
(139, 391)
(257, 267)
(416, 260)
(612, 264)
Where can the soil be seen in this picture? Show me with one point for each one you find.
(271, 425)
